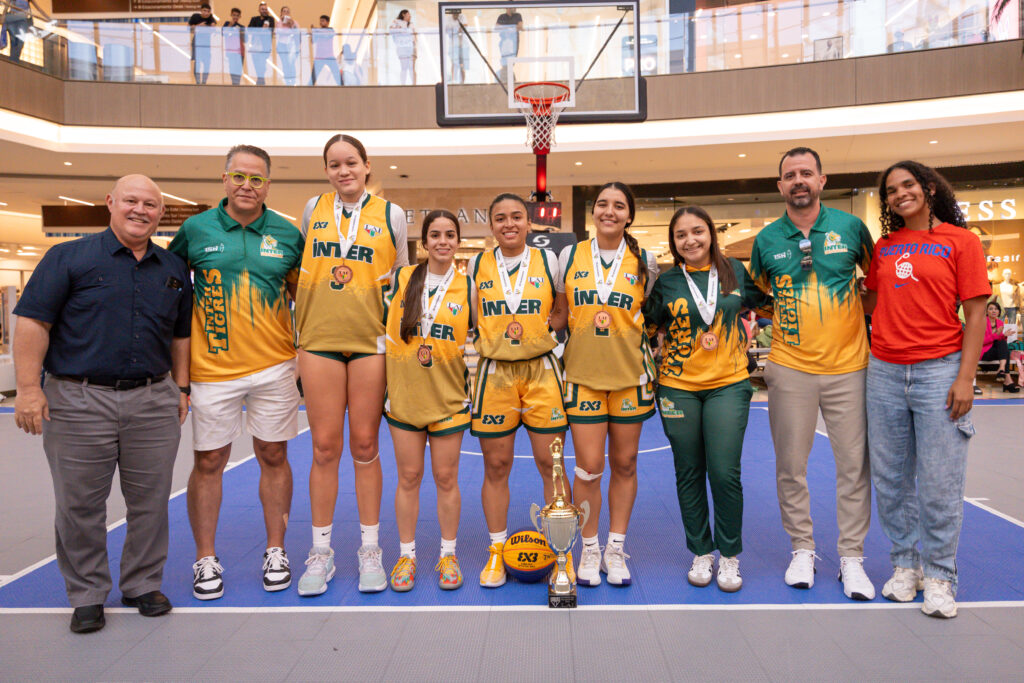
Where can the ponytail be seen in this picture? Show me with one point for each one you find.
(412, 303)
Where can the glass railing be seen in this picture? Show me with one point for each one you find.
(737, 36)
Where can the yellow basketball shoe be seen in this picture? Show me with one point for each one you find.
(493, 574)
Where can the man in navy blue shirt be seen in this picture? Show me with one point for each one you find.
(108, 318)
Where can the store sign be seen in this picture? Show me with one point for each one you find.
(990, 209)
(478, 215)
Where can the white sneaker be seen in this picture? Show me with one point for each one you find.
(589, 573)
(800, 573)
(319, 570)
(729, 579)
(903, 585)
(372, 578)
(613, 563)
(700, 571)
(856, 584)
(938, 599)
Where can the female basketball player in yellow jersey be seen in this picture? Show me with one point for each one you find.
(428, 321)
(518, 379)
(354, 242)
(608, 372)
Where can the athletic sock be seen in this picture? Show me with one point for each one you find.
(322, 536)
(447, 547)
(616, 539)
(499, 537)
(590, 540)
(407, 549)
(368, 535)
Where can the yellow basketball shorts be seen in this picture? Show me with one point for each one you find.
(585, 405)
(443, 427)
(509, 393)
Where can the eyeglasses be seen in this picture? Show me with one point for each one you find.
(255, 181)
(805, 248)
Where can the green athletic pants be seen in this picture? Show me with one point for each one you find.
(706, 431)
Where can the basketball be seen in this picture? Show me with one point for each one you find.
(527, 556)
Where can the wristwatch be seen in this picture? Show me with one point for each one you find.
(187, 389)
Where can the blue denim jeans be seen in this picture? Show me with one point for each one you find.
(918, 461)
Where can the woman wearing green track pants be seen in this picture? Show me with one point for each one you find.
(703, 387)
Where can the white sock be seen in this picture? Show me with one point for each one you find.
(322, 536)
(590, 540)
(447, 547)
(616, 539)
(407, 549)
(499, 537)
(368, 534)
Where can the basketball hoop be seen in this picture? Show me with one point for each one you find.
(545, 101)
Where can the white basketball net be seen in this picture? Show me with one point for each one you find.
(547, 101)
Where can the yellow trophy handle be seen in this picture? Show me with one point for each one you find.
(557, 470)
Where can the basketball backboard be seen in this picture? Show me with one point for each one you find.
(488, 49)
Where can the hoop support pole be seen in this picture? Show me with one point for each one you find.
(542, 176)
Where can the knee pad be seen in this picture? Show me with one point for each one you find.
(587, 476)
(366, 462)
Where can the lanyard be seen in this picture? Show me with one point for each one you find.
(604, 287)
(353, 223)
(706, 307)
(513, 295)
(431, 307)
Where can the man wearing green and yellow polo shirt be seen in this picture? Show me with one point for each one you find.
(245, 261)
(808, 261)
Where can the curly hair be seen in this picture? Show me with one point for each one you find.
(937, 193)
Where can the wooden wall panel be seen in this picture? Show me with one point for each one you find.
(88, 103)
(28, 91)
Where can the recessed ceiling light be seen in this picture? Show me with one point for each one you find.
(737, 55)
(742, 156)
(579, 163)
(745, 230)
(3, 203)
(67, 163)
(753, 36)
(933, 142)
(76, 201)
(180, 199)
(393, 167)
(826, 14)
(785, 55)
(730, 199)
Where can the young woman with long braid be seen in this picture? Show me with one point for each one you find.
(428, 320)
(922, 363)
(609, 372)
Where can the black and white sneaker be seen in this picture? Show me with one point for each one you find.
(277, 575)
(206, 582)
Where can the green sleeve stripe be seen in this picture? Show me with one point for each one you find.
(387, 218)
(547, 270)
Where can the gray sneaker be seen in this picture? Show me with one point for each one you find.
(372, 578)
(938, 599)
(319, 570)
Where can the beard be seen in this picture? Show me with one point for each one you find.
(804, 201)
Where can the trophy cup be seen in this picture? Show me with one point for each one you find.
(559, 521)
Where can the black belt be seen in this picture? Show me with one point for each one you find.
(113, 383)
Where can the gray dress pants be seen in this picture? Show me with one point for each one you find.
(91, 432)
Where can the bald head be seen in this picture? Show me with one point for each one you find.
(136, 206)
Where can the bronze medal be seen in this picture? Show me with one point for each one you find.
(514, 330)
(709, 341)
(423, 355)
(342, 274)
(602, 320)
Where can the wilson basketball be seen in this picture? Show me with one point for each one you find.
(527, 556)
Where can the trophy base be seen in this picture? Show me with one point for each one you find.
(562, 600)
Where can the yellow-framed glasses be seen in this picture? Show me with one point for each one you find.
(255, 181)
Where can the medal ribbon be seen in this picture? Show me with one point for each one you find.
(431, 307)
(513, 295)
(706, 307)
(353, 222)
(604, 287)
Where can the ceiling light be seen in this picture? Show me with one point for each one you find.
(753, 36)
(3, 203)
(737, 55)
(730, 199)
(67, 163)
(579, 163)
(742, 156)
(393, 167)
(745, 230)
(19, 215)
(28, 246)
(279, 213)
(180, 199)
(76, 201)
(826, 14)
(785, 55)
(933, 142)
(5, 250)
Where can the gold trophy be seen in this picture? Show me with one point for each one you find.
(559, 522)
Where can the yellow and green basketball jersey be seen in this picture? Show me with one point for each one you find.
(493, 316)
(617, 356)
(420, 393)
(346, 317)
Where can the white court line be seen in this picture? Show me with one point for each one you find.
(111, 527)
(975, 502)
(397, 609)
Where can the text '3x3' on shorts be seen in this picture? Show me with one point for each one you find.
(509, 393)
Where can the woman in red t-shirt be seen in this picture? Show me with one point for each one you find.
(919, 382)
